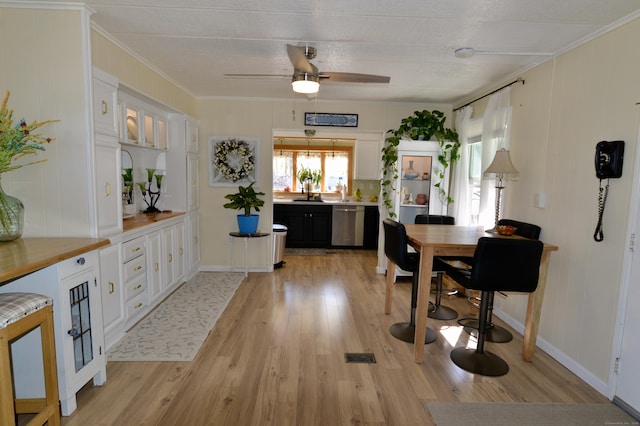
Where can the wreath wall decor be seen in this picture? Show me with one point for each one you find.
(233, 161)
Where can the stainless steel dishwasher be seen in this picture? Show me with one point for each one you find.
(347, 225)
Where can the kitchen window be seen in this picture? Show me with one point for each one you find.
(335, 163)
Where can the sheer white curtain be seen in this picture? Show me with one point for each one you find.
(495, 135)
(460, 188)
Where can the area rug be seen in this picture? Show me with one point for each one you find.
(527, 414)
(305, 252)
(175, 330)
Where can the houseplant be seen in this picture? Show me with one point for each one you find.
(309, 176)
(422, 125)
(16, 141)
(245, 199)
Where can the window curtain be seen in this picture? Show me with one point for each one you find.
(460, 188)
(495, 135)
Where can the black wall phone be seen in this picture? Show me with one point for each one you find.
(608, 162)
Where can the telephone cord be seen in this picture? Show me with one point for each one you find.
(602, 201)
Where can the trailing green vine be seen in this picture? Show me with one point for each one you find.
(423, 125)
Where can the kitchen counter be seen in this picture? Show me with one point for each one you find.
(327, 201)
(26, 255)
(142, 219)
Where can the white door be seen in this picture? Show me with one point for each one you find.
(627, 377)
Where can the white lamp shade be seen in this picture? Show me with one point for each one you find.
(304, 82)
(501, 165)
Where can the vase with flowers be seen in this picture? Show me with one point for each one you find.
(16, 141)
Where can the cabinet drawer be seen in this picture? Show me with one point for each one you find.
(135, 287)
(135, 267)
(132, 249)
(77, 264)
(137, 305)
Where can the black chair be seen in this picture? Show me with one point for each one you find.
(498, 264)
(496, 333)
(395, 248)
(436, 310)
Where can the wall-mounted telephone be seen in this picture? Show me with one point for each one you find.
(608, 162)
(608, 159)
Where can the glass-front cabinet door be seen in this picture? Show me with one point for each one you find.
(415, 192)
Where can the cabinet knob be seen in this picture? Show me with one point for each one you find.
(74, 332)
(170, 257)
(112, 287)
(80, 261)
(105, 108)
(107, 189)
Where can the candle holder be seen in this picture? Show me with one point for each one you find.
(147, 191)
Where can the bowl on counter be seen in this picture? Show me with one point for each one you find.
(411, 176)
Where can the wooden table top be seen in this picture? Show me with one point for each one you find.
(25, 255)
(453, 236)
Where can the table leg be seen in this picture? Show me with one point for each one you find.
(424, 288)
(534, 307)
(246, 257)
(388, 295)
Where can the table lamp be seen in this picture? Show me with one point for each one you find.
(502, 168)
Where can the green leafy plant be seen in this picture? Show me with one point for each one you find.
(422, 125)
(309, 175)
(245, 199)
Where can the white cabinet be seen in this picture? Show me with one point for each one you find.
(108, 186)
(105, 103)
(192, 136)
(193, 194)
(134, 268)
(154, 271)
(193, 243)
(367, 164)
(112, 298)
(78, 329)
(415, 192)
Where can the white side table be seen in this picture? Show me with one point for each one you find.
(247, 237)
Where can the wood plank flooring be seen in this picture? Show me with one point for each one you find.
(276, 357)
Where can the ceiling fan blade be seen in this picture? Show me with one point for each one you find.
(298, 57)
(232, 75)
(349, 77)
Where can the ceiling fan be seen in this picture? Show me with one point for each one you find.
(306, 77)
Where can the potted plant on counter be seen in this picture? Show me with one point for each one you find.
(246, 199)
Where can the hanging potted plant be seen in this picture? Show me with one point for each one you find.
(244, 200)
(422, 125)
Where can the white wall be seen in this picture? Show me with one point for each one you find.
(42, 61)
(567, 105)
(257, 118)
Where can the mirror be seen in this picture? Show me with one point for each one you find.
(127, 178)
(127, 162)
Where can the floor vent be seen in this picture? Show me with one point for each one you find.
(363, 358)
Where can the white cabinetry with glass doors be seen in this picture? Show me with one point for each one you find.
(415, 191)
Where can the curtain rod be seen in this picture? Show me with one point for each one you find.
(518, 80)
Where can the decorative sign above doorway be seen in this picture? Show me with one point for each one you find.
(328, 119)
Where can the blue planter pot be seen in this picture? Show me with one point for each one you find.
(248, 224)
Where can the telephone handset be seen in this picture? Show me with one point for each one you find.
(608, 163)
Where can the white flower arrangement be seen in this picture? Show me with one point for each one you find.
(233, 160)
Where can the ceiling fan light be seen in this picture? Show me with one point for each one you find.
(304, 82)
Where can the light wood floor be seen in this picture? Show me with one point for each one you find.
(276, 356)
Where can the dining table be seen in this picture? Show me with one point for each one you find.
(438, 240)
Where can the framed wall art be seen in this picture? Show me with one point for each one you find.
(328, 119)
(233, 161)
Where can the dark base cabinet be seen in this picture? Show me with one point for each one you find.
(371, 227)
(307, 226)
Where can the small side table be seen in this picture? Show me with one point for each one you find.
(246, 237)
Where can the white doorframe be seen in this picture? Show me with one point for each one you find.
(630, 260)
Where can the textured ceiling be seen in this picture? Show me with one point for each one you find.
(196, 42)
